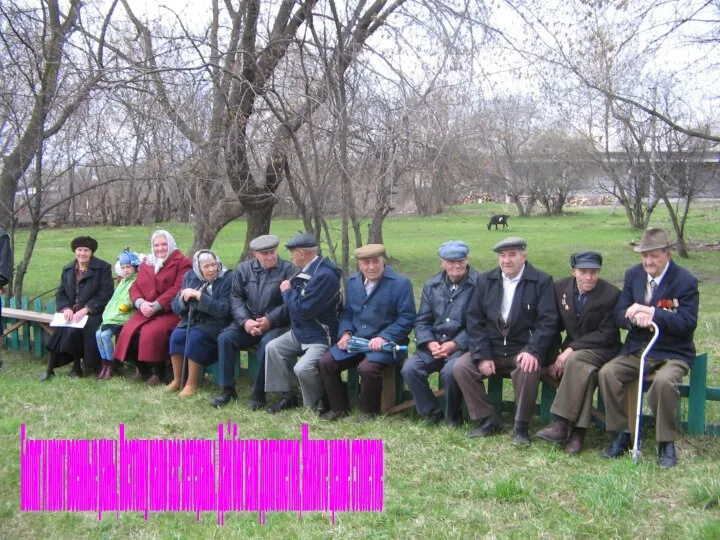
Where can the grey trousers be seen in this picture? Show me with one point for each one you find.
(663, 395)
(415, 373)
(574, 398)
(281, 353)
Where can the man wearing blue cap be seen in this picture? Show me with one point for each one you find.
(585, 304)
(511, 325)
(313, 300)
(440, 334)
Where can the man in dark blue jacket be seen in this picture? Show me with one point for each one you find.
(659, 291)
(380, 307)
(259, 316)
(312, 298)
(511, 324)
(6, 264)
(440, 334)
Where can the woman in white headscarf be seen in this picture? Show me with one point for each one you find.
(159, 280)
(203, 304)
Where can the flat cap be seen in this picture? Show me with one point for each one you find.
(513, 242)
(454, 250)
(586, 259)
(370, 250)
(266, 242)
(302, 240)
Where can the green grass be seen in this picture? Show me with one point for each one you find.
(438, 483)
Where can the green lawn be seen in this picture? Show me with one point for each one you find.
(437, 482)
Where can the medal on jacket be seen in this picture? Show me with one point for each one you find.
(564, 302)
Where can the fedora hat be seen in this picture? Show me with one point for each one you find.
(654, 238)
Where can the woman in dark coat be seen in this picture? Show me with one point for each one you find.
(86, 285)
(159, 279)
(205, 290)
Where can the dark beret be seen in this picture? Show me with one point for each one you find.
(84, 241)
(302, 240)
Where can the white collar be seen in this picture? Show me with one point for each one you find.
(516, 278)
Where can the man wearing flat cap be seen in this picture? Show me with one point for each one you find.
(441, 335)
(259, 316)
(379, 307)
(659, 291)
(585, 305)
(511, 325)
(312, 298)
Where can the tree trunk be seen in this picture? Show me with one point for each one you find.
(222, 213)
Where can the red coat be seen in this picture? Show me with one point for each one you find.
(155, 331)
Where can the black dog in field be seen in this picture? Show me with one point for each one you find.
(499, 220)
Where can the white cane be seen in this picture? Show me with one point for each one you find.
(641, 376)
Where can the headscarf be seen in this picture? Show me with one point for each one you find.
(203, 253)
(158, 262)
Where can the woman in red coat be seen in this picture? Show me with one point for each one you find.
(159, 279)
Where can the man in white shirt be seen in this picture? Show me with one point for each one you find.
(511, 324)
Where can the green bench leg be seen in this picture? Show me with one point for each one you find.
(697, 396)
(495, 391)
(547, 396)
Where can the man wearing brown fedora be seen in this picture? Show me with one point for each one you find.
(659, 291)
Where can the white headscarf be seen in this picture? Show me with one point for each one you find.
(158, 262)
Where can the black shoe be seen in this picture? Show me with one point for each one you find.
(454, 422)
(333, 416)
(257, 402)
(288, 402)
(434, 417)
(75, 374)
(619, 446)
(490, 426)
(46, 376)
(666, 454)
(520, 436)
(228, 395)
(322, 406)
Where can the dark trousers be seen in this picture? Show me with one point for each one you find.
(470, 381)
(234, 339)
(415, 373)
(370, 384)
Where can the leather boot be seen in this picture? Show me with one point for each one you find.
(574, 444)
(191, 385)
(619, 446)
(76, 371)
(109, 371)
(103, 371)
(177, 365)
(556, 432)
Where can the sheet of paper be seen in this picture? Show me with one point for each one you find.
(59, 320)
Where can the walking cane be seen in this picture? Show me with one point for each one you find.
(641, 376)
(183, 380)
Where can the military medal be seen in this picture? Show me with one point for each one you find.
(564, 302)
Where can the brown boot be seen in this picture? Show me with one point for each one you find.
(177, 365)
(574, 443)
(191, 385)
(103, 371)
(556, 432)
(109, 371)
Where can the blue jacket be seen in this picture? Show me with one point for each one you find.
(676, 327)
(212, 312)
(443, 312)
(312, 302)
(389, 313)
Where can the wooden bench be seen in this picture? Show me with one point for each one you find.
(23, 329)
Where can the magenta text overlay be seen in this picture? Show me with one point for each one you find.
(198, 475)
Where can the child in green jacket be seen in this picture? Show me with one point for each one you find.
(117, 311)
